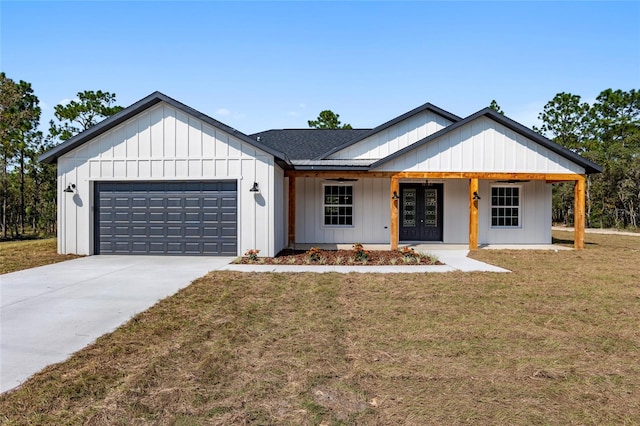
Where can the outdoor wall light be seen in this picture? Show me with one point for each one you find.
(395, 196)
(70, 188)
(476, 196)
(254, 188)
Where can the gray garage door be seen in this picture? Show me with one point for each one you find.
(176, 218)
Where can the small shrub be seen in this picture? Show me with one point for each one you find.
(359, 253)
(323, 260)
(252, 254)
(409, 252)
(339, 260)
(292, 261)
(433, 259)
(393, 260)
(314, 254)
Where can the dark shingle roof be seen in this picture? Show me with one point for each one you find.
(303, 144)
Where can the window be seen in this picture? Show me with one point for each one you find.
(505, 206)
(338, 205)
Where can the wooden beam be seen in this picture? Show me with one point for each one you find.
(473, 214)
(292, 211)
(561, 177)
(579, 214)
(322, 174)
(395, 206)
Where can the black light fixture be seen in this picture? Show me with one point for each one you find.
(70, 188)
(254, 188)
(476, 196)
(395, 196)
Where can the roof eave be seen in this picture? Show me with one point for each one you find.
(330, 168)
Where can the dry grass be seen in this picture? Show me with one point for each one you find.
(18, 255)
(555, 342)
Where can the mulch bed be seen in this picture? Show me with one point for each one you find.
(342, 257)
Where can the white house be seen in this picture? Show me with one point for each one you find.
(162, 178)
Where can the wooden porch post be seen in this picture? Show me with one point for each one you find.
(292, 211)
(579, 213)
(473, 214)
(395, 187)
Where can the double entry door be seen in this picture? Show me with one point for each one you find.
(420, 212)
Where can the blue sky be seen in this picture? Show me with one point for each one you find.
(264, 65)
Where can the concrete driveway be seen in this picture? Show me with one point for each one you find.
(50, 312)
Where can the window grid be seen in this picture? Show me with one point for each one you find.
(338, 205)
(505, 207)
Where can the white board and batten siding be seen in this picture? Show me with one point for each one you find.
(165, 144)
(371, 213)
(372, 217)
(394, 138)
(535, 214)
(482, 146)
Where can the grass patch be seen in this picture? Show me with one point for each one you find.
(25, 254)
(554, 342)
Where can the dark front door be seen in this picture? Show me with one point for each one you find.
(420, 212)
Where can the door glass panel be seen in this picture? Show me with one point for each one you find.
(431, 207)
(409, 208)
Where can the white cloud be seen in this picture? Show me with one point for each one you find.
(65, 101)
(293, 113)
(223, 111)
(302, 105)
(44, 106)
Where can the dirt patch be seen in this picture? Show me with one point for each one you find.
(344, 257)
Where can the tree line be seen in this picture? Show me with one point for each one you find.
(606, 132)
(28, 187)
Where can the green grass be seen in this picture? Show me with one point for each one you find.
(19, 255)
(554, 342)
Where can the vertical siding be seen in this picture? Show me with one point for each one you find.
(482, 146)
(394, 138)
(371, 220)
(279, 209)
(456, 211)
(535, 216)
(163, 143)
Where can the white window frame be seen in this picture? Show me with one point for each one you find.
(506, 206)
(324, 206)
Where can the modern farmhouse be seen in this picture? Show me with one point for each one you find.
(162, 178)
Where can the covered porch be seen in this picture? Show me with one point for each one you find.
(472, 182)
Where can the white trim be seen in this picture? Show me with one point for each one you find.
(498, 185)
(323, 205)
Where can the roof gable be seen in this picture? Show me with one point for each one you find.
(518, 128)
(426, 107)
(53, 154)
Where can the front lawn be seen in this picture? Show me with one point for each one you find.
(555, 342)
(18, 255)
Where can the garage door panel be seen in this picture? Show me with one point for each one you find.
(188, 218)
